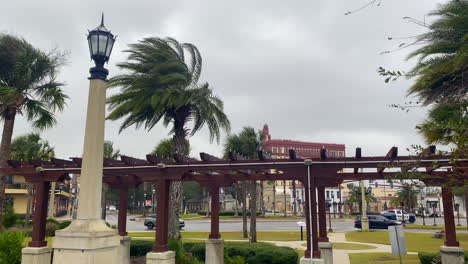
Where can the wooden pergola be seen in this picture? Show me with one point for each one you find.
(213, 173)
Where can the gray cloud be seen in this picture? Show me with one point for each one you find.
(302, 67)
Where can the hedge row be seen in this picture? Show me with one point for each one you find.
(235, 253)
(430, 258)
(258, 253)
(226, 213)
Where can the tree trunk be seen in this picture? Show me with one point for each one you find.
(466, 204)
(5, 145)
(27, 217)
(262, 200)
(253, 212)
(103, 201)
(51, 211)
(285, 200)
(274, 197)
(244, 211)
(294, 198)
(176, 186)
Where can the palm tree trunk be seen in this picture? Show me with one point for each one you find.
(253, 212)
(274, 197)
(244, 211)
(51, 211)
(285, 201)
(176, 186)
(5, 145)
(294, 198)
(262, 200)
(27, 217)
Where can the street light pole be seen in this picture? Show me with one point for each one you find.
(364, 220)
(88, 237)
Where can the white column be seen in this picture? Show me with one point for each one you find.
(89, 204)
(88, 240)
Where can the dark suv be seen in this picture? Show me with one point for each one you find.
(376, 222)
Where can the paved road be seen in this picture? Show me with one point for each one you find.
(273, 225)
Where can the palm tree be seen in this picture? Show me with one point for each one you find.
(247, 143)
(28, 87)
(109, 153)
(355, 196)
(160, 85)
(408, 195)
(442, 61)
(31, 147)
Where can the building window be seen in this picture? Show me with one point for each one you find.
(328, 194)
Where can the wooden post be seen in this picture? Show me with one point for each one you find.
(312, 246)
(449, 219)
(308, 250)
(123, 205)
(322, 214)
(214, 213)
(40, 215)
(162, 216)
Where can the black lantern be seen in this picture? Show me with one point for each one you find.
(100, 41)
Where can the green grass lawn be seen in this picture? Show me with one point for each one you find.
(190, 216)
(348, 246)
(414, 241)
(439, 227)
(261, 235)
(381, 258)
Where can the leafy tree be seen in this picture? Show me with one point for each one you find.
(28, 87)
(247, 143)
(31, 147)
(109, 151)
(159, 84)
(355, 195)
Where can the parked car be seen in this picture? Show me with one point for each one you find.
(399, 215)
(112, 208)
(376, 222)
(150, 222)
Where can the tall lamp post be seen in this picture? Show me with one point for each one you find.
(364, 220)
(88, 237)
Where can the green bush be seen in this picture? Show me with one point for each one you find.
(51, 228)
(434, 257)
(258, 253)
(11, 244)
(182, 257)
(9, 217)
(140, 248)
(64, 224)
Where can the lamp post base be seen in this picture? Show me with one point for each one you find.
(86, 241)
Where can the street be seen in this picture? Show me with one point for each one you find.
(262, 225)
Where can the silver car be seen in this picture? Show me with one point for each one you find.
(150, 222)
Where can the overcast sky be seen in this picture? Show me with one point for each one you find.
(302, 67)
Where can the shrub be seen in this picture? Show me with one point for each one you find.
(140, 248)
(9, 217)
(11, 244)
(51, 228)
(258, 253)
(225, 213)
(64, 224)
(432, 258)
(182, 257)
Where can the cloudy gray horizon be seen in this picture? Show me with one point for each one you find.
(302, 67)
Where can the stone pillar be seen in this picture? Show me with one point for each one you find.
(124, 250)
(305, 260)
(326, 252)
(214, 251)
(167, 257)
(322, 214)
(36, 255)
(452, 255)
(88, 239)
(364, 220)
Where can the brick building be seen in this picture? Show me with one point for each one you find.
(281, 192)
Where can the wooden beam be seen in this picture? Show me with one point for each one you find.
(183, 159)
(391, 155)
(64, 163)
(236, 156)
(133, 161)
(207, 157)
(358, 155)
(262, 155)
(292, 154)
